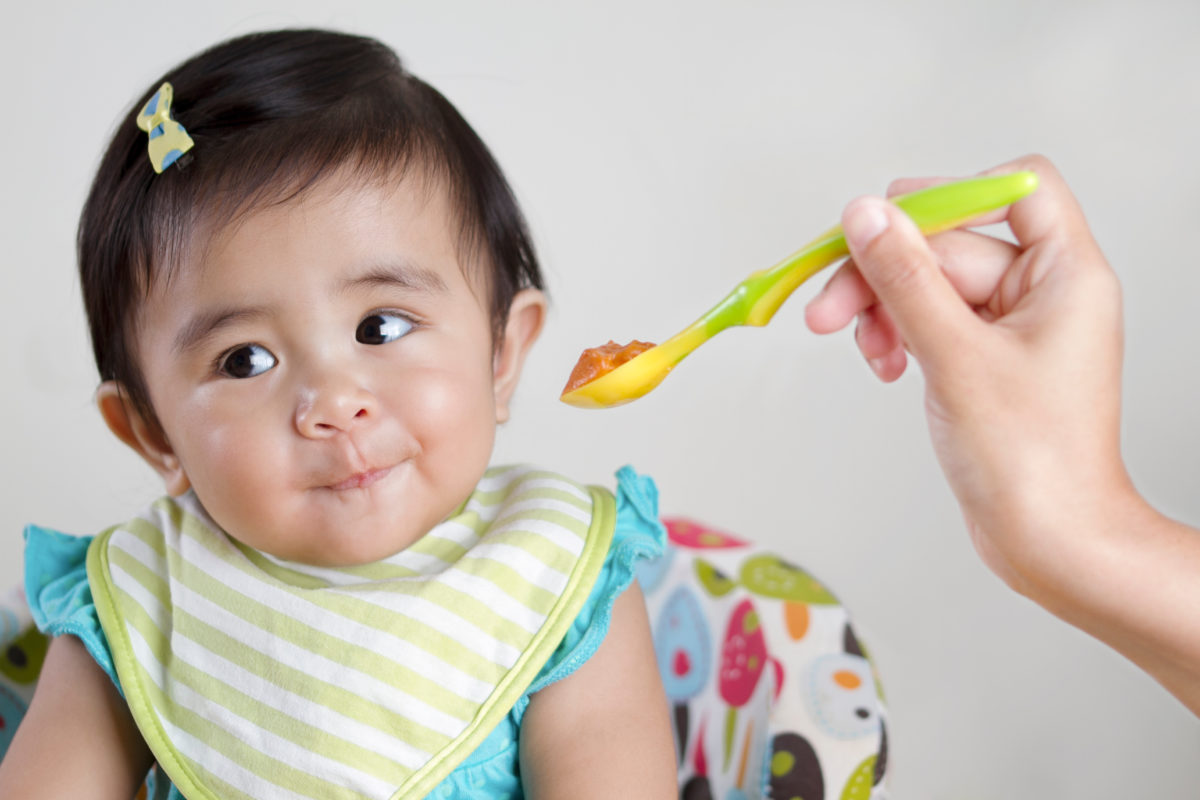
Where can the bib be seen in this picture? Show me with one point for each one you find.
(251, 677)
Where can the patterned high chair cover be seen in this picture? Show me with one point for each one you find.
(772, 693)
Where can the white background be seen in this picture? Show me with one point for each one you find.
(672, 148)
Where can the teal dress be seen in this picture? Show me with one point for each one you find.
(60, 600)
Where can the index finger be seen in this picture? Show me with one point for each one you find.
(1050, 213)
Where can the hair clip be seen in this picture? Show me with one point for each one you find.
(168, 139)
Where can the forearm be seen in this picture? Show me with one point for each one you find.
(1129, 576)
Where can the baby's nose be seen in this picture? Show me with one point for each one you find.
(336, 406)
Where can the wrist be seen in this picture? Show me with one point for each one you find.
(1072, 557)
(1122, 572)
(1039, 522)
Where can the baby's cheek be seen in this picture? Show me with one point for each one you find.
(235, 473)
(453, 416)
(443, 402)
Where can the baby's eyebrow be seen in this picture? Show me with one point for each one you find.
(404, 274)
(203, 325)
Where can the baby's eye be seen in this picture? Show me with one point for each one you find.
(247, 361)
(381, 328)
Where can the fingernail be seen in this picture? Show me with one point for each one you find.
(864, 222)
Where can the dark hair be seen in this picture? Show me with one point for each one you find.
(270, 114)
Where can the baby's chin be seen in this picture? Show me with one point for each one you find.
(342, 525)
(341, 542)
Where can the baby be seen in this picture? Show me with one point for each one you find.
(310, 293)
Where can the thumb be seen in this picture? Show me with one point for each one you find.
(895, 260)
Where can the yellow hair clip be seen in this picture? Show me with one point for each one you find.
(168, 139)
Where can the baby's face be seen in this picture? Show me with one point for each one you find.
(324, 374)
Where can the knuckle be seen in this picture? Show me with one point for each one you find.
(1103, 285)
(1038, 162)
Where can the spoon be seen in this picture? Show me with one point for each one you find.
(756, 299)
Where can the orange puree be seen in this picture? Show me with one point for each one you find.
(597, 361)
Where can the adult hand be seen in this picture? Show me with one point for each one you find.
(1020, 346)
(1021, 349)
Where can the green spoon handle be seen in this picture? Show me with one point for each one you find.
(937, 208)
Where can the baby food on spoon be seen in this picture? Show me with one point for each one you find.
(598, 361)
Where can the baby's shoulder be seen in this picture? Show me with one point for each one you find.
(58, 594)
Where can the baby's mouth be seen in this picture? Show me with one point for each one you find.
(360, 480)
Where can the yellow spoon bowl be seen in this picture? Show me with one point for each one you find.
(756, 299)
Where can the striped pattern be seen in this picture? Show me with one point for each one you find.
(272, 679)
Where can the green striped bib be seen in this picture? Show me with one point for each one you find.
(252, 677)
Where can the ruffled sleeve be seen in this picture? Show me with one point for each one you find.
(638, 535)
(56, 587)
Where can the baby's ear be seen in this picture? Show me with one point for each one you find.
(144, 436)
(526, 315)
